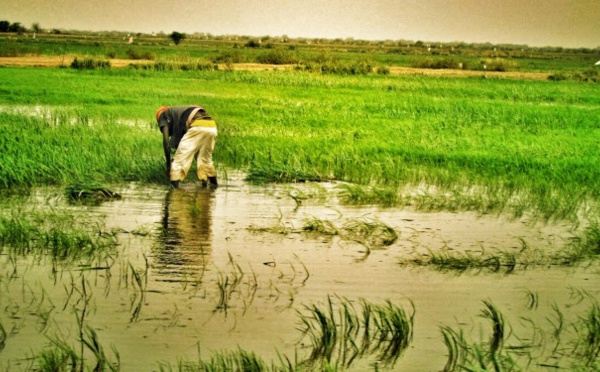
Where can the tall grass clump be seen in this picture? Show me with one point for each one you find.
(59, 149)
(183, 64)
(89, 64)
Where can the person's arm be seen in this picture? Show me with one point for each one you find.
(167, 149)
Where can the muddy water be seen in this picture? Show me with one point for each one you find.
(186, 244)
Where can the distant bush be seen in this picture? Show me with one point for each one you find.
(177, 37)
(498, 64)
(340, 68)
(439, 63)
(230, 57)
(278, 57)
(252, 44)
(176, 66)
(137, 54)
(89, 64)
(383, 70)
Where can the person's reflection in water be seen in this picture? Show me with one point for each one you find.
(186, 234)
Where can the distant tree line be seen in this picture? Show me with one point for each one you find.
(6, 26)
(393, 46)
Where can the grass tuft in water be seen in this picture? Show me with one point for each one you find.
(60, 357)
(339, 334)
(55, 235)
(90, 193)
(240, 360)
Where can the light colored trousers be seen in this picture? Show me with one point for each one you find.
(199, 141)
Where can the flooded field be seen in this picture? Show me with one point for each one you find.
(198, 272)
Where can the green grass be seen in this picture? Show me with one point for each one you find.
(527, 144)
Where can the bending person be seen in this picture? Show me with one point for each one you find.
(191, 132)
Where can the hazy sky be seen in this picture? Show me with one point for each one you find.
(568, 23)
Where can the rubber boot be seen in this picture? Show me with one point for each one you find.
(212, 182)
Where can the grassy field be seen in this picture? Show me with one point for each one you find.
(525, 145)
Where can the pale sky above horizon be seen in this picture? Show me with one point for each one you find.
(566, 23)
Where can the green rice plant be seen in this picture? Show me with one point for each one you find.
(60, 357)
(522, 147)
(230, 283)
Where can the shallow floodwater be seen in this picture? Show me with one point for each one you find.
(186, 245)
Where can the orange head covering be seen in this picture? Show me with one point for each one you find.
(160, 111)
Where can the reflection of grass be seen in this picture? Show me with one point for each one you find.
(3, 336)
(369, 232)
(585, 246)
(335, 332)
(54, 234)
(590, 338)
(463, 261)
(240, 360)
(507, 351)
